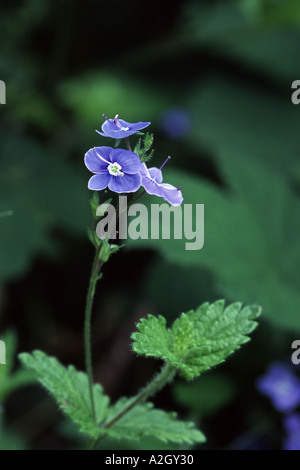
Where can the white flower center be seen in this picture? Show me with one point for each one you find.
(114, 169)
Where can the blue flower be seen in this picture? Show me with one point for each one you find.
(119, 129)
(152, 182)
(175, 123)
(281, 386)
(291, 424)
(117, 169)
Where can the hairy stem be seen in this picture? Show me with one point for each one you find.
(97, 265)
(166, 375)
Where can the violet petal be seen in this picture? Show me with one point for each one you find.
(129, 161)
(100, 181)
(92, 160)
(126, 183)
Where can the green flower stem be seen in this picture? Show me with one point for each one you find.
(166, 375)
(97, 265)
(96, 269)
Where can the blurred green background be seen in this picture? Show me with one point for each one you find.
(214, 78)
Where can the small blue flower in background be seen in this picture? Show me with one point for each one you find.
(152, 182)
(117, 169)
(120, 129)
(281, 386)
(291, 424)
(175, 123)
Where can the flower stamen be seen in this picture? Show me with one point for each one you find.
(115, 122)
(166, 160)
(101, 158)
(114, 169)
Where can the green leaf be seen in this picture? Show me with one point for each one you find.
(146, 153)
(199, 339)
(108, 249)
(137, 148)
(147, 156)
(143, 149)
(94, 202)
(148, 141)
(70, 389)
(95, 241)
(144, 420)
(154, 338)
